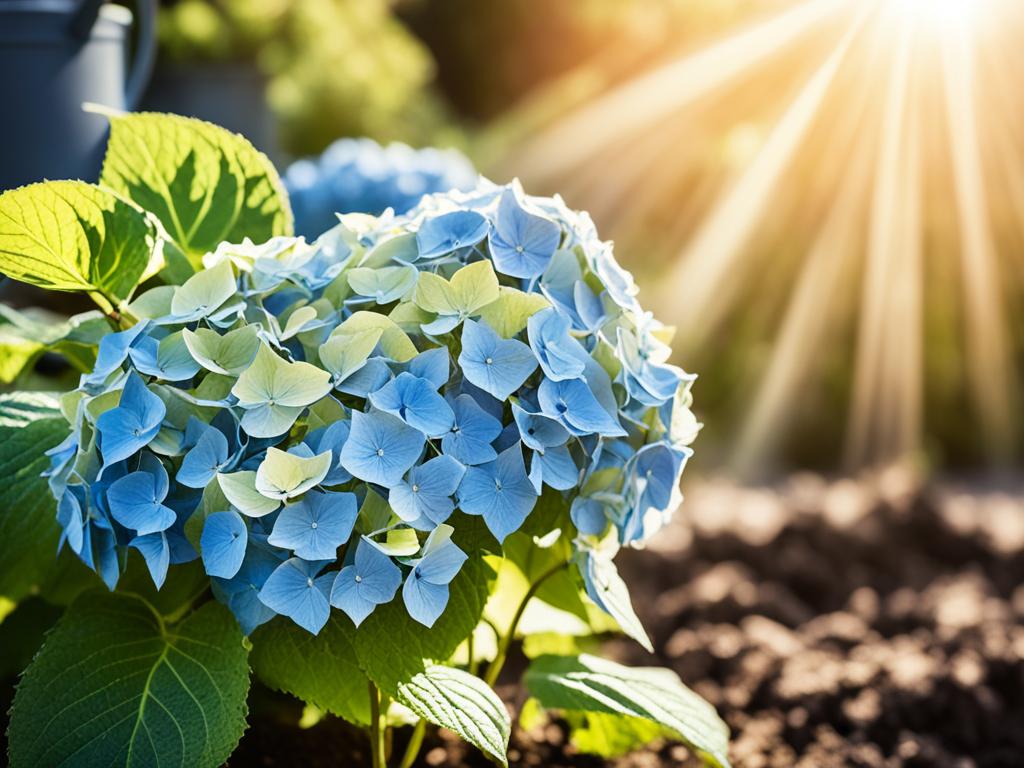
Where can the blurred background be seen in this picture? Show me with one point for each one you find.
(826, 199)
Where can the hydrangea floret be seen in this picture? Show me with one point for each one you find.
(471, 358)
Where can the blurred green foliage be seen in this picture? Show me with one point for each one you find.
(333, 67)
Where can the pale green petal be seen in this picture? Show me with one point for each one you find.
(508, 315)
(240, 489)
(345, 354)
(229, 354)
(205, 291)
(284, 475)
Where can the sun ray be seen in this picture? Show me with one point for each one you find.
(649, 99)
(885, 411)
(990, 370)
(697, 287)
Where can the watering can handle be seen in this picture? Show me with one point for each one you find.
(145, 51)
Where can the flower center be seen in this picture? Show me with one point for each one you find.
(313, 526)
(489, 361)
(415, 488)
(359, 579)
(380, 451)
(309, 581)
(497, 485)
(519, 249)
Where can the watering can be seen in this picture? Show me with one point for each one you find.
(55, 56)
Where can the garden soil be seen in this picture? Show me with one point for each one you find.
(832, 624)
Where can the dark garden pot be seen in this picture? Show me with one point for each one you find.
(55, 56)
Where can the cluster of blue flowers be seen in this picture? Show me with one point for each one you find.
(361, 176)
(307, 418)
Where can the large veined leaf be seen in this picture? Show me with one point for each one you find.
(587, 683)
(462, 703)
(30, 424)
(205, 184)
(26, 334)
(73, 236)
(114, 685)
(322, 669)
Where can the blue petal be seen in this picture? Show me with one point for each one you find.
(424, 601)
(135, 500)
(112, 353)
(130, 426)
(372, 376)
(241, 594)
(331, 439)
(295, 591)
(469, 440)
(560, 355)
(522, 243)
(558, 469)
(441, 565)
(660, 467)
(428, 490)
(588, 516)
(206, 458)
(432, 365)
(316, 526)
(371, 580)
(501, 491)
(415, 402)
(381, 448)
(538, 431)
(450, 231)
(157, 554)
(223, 543)
(573, 404)
(496, 365)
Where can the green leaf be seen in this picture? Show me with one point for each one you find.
(115, 685)
(614, 595)
(205, 184)
(598, 733)
(589, 684)
(73, 236)
(322, 669)
(462, 703)
(30, 424)
(509, 313)
(393, 648)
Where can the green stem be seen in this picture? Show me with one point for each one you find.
(376, 729)
(506, 640)
(415, 742)
(471, 666)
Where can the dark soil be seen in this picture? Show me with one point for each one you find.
(868, 624)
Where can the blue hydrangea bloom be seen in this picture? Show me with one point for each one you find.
(315, 420)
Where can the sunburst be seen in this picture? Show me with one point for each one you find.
(892, 157)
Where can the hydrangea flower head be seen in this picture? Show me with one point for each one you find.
(320, 423)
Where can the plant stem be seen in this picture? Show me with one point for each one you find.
(471, 666)
(506, 640)
(376, 729)
(415, 742)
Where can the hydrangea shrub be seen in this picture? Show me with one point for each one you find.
(363, 465)
(361, 176)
